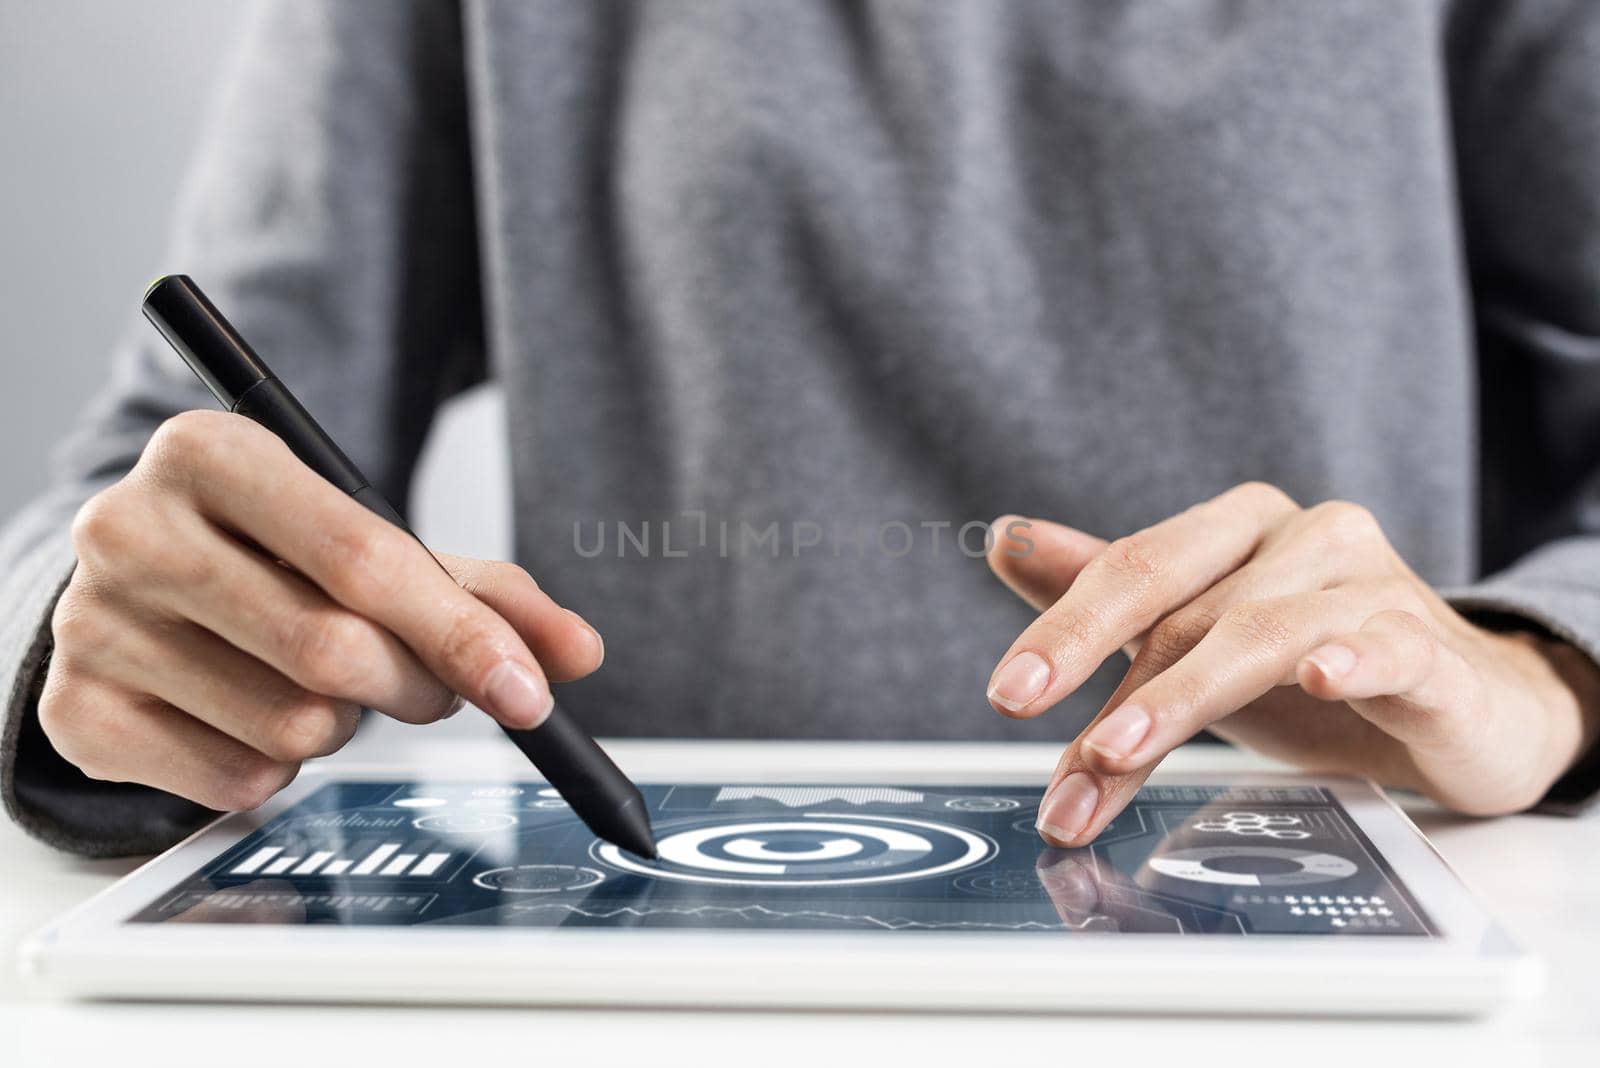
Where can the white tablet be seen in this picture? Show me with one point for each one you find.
(783, 885)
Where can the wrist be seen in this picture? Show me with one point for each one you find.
(1565, 681)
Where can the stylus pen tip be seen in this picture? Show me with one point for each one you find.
(637, 845)
(628, 826)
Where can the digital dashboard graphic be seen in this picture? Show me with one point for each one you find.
(1179, 859)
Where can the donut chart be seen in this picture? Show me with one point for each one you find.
(1252, 865)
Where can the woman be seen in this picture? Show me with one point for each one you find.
(813, 272)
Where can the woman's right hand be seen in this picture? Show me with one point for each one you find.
(231, 613)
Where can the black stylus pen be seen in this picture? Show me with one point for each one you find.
(598, 791)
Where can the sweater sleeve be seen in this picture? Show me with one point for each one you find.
(329, 212)
(1525, 90)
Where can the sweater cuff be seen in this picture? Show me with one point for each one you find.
(1556, 588)
(42, 793)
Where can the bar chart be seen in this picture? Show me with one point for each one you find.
(390, 859)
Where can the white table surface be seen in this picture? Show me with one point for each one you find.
(1540, 875)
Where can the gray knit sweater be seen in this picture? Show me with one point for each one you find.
(786, 287)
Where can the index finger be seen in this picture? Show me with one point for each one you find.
(1126, 589)
(249, 481)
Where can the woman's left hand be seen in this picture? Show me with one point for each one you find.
(1298, 632)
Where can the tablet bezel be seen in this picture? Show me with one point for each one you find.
(1470, 966)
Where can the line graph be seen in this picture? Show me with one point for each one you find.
(807, 796)
(760, 913)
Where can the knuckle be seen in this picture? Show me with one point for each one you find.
(1265, 495)
(1417, 637)
(326, 649)
(54, 712)
(478, 576)
(1259, 624)
(509, 575)
(77, 622)
(119, 537)
(1131, 561)
(1069, 632)
(311, 727)
(1345, 523)
(186, 442)
(85, 733)
(102, 529)
(470, 642)
(63, 717)
(368, 560)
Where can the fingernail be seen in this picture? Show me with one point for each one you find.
(1020, 681)
(599, 642)
(1119, 734)
(1334, 661)
(1065, 813)
(516, 696)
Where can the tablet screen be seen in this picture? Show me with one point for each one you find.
(1212, 860)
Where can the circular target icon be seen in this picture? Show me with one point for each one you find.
(465, 822)
(983, 804)
(817, 849)
(539, 878)
(1012, 882)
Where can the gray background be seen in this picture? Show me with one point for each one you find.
(100, 106)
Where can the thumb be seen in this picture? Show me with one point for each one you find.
(1039, 559)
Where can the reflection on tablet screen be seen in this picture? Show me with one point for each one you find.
(1179, 859)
